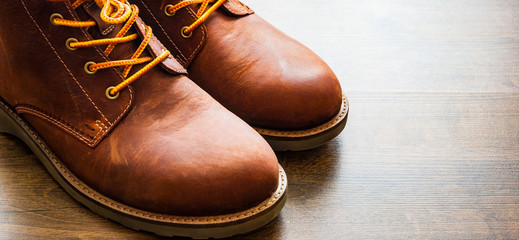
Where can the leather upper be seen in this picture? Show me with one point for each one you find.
(256, 71)
(164, 145)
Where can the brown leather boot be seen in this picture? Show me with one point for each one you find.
(158, 155)
(274, 83)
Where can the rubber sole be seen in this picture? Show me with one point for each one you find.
(300, 140)
(161, 224)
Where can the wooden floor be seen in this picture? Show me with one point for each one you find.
(430, 151)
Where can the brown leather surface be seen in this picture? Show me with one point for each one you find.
(90, 10)
(176, 150)
(237, 8)
(36, 62)
(183, 49)
(256, 71)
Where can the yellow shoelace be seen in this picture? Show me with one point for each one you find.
(202, 14)
(114, 12)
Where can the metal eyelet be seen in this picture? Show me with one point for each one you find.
(166, 10)
(87, 68)
(70, 40)
(184, 35)
(109, 95)
(53, 16)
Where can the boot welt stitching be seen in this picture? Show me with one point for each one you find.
(153, 216)
(303, 133)
(101, 199)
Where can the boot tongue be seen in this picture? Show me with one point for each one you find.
(104, 29)
(126, 50)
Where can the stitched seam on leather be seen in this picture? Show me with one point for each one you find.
(114, 70)
(59, 123)
(103, 199)
(102, 129)
(30, 107)
(204, 29)
(302, 133)
(61, 60)
(107, 30)
(130, 91)
(164, 31)
(181, 61)
(91, 144)
(87, 36)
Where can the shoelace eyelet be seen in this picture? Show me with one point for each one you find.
(114, 12)
(70, 40)
(166, 10)
(184, 35)
(109, 95)
(87, 68)
(54, 16)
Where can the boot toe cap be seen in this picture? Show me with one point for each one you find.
(214, 164)
(306, 97)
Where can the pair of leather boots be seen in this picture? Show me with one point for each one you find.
(111, 113)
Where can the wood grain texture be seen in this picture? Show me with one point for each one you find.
(430, 151)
